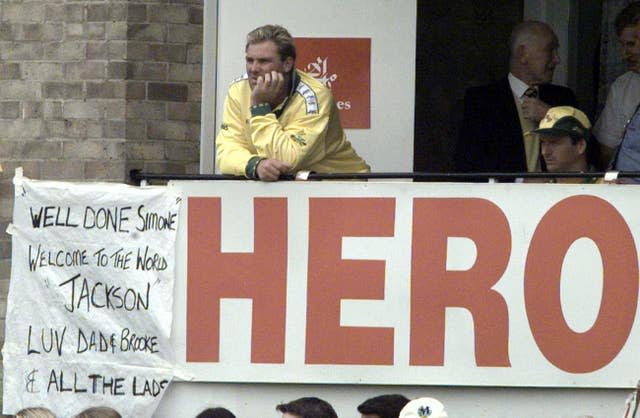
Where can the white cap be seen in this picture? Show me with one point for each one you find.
(424, 408)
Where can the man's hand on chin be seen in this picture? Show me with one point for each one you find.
(269, 88)
(270, 170)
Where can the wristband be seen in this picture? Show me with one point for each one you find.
(250, 170)
(260, 109)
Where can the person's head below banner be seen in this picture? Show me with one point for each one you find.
(424, 408)
(308, 407)
(383, 406)
(566, 144)
(99, 412)
(216, 413)
(36, 412)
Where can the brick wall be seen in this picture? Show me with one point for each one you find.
(92, 89)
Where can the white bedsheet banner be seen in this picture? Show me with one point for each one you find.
(90, 302)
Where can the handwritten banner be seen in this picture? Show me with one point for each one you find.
(90, 302)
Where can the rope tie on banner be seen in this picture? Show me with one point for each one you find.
(611, 176)
(303, 175)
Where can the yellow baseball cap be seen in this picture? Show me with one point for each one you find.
(565, 120)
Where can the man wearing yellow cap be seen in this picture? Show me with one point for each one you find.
(566, 143)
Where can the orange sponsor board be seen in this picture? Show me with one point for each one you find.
(412, 283)
(343, 65)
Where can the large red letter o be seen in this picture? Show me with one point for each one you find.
(570, 219)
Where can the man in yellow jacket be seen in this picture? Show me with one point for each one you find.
(280, 120)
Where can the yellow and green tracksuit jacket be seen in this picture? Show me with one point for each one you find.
(304, 131)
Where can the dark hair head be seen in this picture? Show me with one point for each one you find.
(308, 408)
(628, 16)
(99, 412)
(385, 406)
(216, 413)
(278, 35)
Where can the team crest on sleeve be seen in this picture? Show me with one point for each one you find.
(309, 96)
(299, 138)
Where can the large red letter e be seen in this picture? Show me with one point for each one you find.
(331, 279)
(434, 288)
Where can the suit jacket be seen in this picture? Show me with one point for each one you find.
(490, 138)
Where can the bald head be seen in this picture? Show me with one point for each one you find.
(533, 48)
(524, 32)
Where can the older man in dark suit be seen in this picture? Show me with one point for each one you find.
(495, 135)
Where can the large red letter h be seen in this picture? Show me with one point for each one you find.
(213, 275)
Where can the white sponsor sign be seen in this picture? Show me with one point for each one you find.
(90, 301)
(409, 283)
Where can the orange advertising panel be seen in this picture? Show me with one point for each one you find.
(343, 65)
(404, 283)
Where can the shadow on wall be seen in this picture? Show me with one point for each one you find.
(460, 43)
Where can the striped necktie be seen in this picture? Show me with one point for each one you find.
(531, 142)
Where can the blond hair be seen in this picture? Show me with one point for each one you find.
(276, 34)
(99, 412)
(37, 412)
